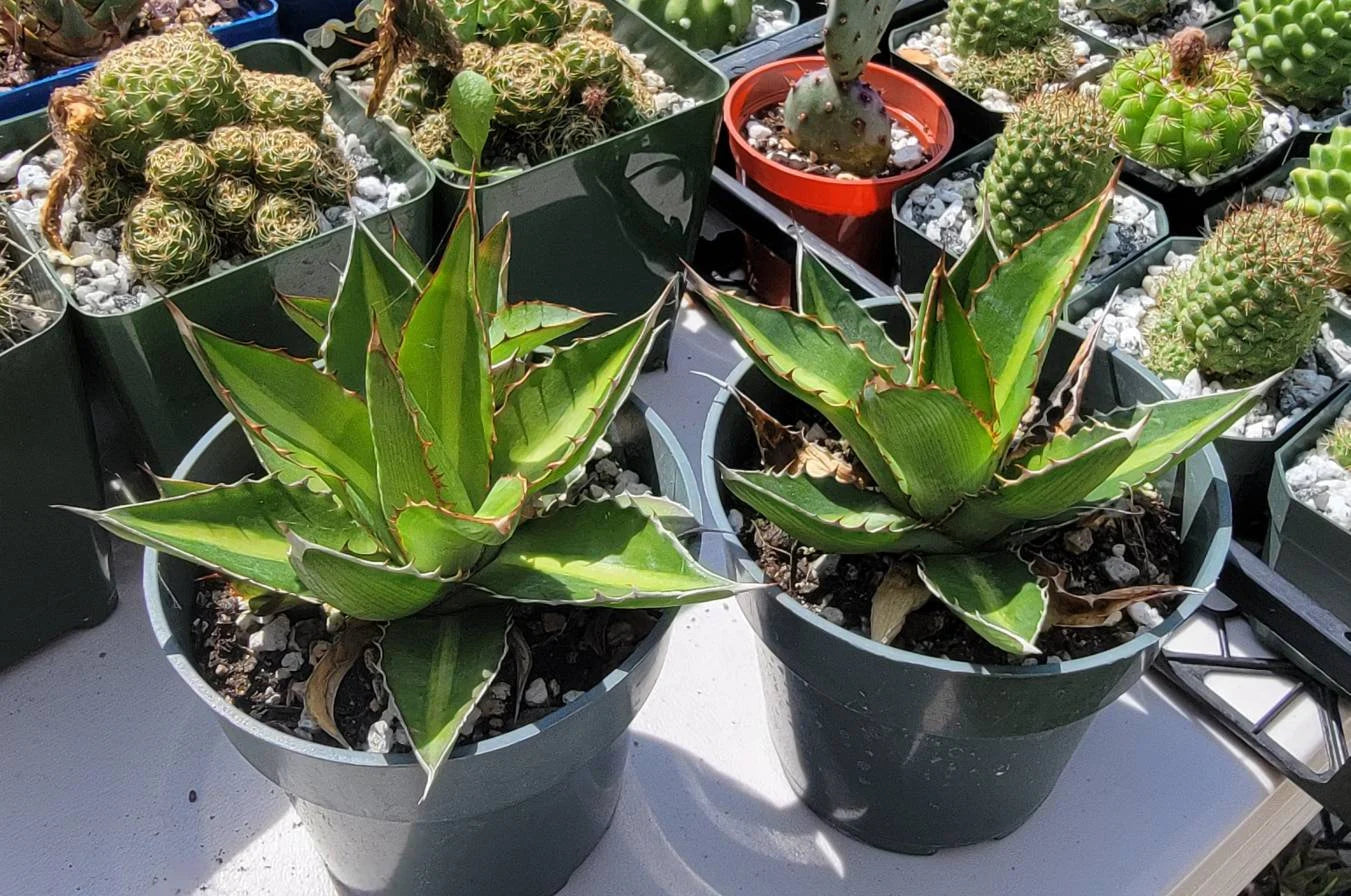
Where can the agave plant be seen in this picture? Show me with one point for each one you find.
(416, 478)
(957, 460)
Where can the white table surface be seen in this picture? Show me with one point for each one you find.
(101, 746)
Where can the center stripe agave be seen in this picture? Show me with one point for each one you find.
(417, 479)
(958, 462)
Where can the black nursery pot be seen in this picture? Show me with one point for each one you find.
(54, 569)
(911, 753)
(513, 815)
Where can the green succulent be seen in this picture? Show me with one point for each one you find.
(66, 32)
(414, 479)
(231, 148)
(994, 27)
(1323, 190)
(109, 193)
(286, 159)
(955, 469)
(1299, 49)
(168, 240)
(531, 83)
(590, 15)
(285, 101)
(231, 201)
(699, 24)
(591, 58)
(281, 220)
(1337, 442)
(180, 169)
(505, 22)
(417, 88)
(1020, 72)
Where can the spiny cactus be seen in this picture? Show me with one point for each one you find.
(589, 15)
(832, 112)
(994, 27)
(415, 90)
(591, 58)
(286, 159)
(1054, 155)
(168, 240)
(573, 130)
(700, 24)
(180, 169)
(1179, 105)
(109, 193)
(1299, 49)
(1337, 443)
(531, 83)
(1323, 190)
(281, 220)
(503, 22)
(1018, 73)
(231, 148)
(1127, 12)
(1252, 302)
(231, 201)
(434, 135)
(285, 101)
(477, 56)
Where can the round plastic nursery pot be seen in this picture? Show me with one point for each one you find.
(513, 815)
(851, 215)
(914, 753)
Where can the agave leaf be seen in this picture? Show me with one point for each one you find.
(1172, 432)
(934, 441)
(674, 517)
(958, 360)
(821, 296)
(444, 361)
(605, 553)
(972, 269)
(923, 326)
(1015, 313)
(831, 516)
(995, 594)
(409, 259)
(438, 538)
(437, 668)
(1064, 404)
(494, 254)
(365, 589)
(521, 327)
(374, 286)
(176, 488)
(237, 529)
(553, 416)
(310, 313)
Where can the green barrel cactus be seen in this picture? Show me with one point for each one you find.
(699, 24)
(180, 169)
(589, 15)
(962, 461)
(477, 56)
(1054, 155)
(399, 487)
(286, 159)
(1018, 73)
(416, 89)
(285, 101)
(1253, 301)
(231, 149)
(571, 131)
(503, 22)
(108, 194)
(1323, 190)
(831, 111)
(231, 202)
(531, 83)
(1299, 49)
(1179, 105)
(1337, 443)
(434, 135)
(281, 220)
(994, 27)
(169, 241)
(591, 58)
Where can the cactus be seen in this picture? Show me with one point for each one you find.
(589, 15)
(281, 220)
(286, 159)
(503, 22)
(960, 455)
(1299, 49)
(1253, 301)
(180, 169)
(477, 56)
(831, 111)
(408, 31)
(1323, 190)
(1336, 442)
(231, 201)
(433, 135)
(1018, 73)
(285, 101)
(1054, 155)
(628, 105)
(591, 58)
(109, 193)
(699, 24)
(1181, 106)
(416, 89)
(572, 131)
(64, 32)
(231, 149)
(531, 83)
(1126, 12)
(995, 27)
(168, 240)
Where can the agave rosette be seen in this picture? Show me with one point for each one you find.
(958, 460)
(415, 477)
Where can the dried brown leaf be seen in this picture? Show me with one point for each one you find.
(785, 449)
(898, 594)
(1071, 610)
(321, 689)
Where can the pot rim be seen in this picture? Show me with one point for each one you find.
(228, 713)
(741, 148)
(740, 559)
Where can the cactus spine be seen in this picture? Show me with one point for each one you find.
(1299, 49)
(832, 112)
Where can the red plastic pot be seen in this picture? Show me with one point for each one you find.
(852, 215)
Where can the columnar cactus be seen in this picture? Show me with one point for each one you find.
(832, 112)
(1323, 190)
(1299, 49)
(700, 24)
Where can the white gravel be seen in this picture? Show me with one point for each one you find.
(946, 213)
(1301, 388)
(1180, 15)
(935, 41)
(1322, 483)
(765, 22)
(103, 278)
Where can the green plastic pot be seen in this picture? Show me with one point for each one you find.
(605, 228)
(1311, 551)
(1247, 462)
(54, 570)
(137, 357)
(909, 752)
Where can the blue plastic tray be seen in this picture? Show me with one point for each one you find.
(34, 95)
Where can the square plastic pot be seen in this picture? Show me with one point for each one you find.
(138, 357)
(916, 254)
(513, 815)
(605, 228)
(1311, 551)
(1251, 192)
(54, 570)
(1247, 462)
(911, 753)
(18, 101)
